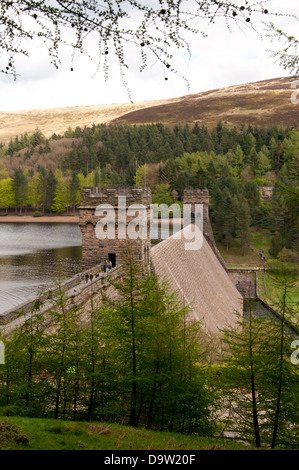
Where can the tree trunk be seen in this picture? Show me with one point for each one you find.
(253, 392)
(279, 391)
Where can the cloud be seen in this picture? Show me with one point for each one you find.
(220, 60)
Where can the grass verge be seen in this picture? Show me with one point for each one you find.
(49, 434)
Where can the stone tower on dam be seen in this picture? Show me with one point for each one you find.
(201, 196)
(110, 205)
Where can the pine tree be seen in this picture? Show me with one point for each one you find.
(229, 212)
(243, 220)
(155, 350)
(262, 164)
(259, 382)
(74, 186)
(25, 362)
(20, 188)
(62, 352)
(238, 160)
(251, 193)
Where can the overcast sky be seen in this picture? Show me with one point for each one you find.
(222, 59)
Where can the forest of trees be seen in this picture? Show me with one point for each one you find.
(233, 164)
(137, 359)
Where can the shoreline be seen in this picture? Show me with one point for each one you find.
(65, 219)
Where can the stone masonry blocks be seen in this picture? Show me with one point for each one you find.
(94, 250)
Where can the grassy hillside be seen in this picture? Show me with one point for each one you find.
(266, 102)
(57, 120)
(49, 434)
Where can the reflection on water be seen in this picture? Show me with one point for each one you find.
(33, 255)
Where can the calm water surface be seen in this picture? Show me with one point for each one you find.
(33, 255)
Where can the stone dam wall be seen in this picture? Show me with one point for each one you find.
(192, 282)
(202, 278)
(78, 292)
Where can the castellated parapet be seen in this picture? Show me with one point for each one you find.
(94, 250)
(199, 196)
(93, 196)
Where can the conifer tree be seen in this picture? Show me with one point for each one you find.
(20, 188)
(243, 220)
(62, 351)
(155, 349)
(260, 383)
(25, 362)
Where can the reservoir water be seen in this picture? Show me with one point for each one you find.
(33, 256)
